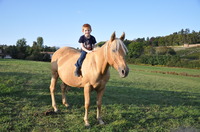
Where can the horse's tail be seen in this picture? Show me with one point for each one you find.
(55, 58)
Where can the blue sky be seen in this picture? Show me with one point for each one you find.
(59, 22)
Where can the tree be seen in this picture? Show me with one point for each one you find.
(182, 32)
(136, 49)
(187, 31)
(100, 43)
(147, 41)
(140, 40)
(155, 41)
(127, 42)
(21, 46)
(40, 42)
(161, 41)
(21, 43)
(149, 50)
(35, 51)
(13, 51)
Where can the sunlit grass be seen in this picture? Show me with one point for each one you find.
(144, 101)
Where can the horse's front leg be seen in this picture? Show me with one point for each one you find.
(100, 93)
(87, 91)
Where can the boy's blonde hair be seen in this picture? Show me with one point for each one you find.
(86, 26)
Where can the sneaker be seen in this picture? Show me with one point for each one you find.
(77, 72)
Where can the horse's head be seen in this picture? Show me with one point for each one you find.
(116, 51)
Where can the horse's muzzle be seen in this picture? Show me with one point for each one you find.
(123, 72)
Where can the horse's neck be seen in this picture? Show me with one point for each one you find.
(102, 61)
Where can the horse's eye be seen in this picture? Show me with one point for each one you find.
(113, 50)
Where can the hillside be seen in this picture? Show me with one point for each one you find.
(189, 53)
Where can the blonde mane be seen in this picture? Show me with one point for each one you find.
(115, 46)
(119, 43)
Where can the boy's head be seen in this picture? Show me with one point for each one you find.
(86, 26)
(86, 29)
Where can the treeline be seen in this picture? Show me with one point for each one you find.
(153, 51)
(175, 39)
(35, 52)
(157, 51)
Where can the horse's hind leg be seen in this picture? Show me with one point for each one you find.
(64, 87)
(54, 79)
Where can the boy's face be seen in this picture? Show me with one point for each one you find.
(87, 31)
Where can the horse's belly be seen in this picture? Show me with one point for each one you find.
(66, 73)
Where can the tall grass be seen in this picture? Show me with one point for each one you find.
(144, 101)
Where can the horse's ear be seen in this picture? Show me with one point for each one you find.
(123, 36)
(112, 37)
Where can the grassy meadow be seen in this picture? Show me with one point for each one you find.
(147, 100)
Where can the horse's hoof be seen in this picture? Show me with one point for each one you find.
(56, 111)
(67, 105)
(101, 122)
(87, 126)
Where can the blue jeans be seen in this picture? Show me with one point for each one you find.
(81, 58)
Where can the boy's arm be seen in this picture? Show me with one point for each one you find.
(94, 46)
(83, 48)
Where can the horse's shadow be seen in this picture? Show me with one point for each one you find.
(136, 96)
(125, 96)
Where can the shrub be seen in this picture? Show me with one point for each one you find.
(171, 51)
(155, 59)
(46, 57)
(193, 56)
(163, 50)
(189, 63)
(174, 60)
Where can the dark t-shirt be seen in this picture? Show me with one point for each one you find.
(87, 42)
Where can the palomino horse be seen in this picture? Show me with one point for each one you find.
(95, 71)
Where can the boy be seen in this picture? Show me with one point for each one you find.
(87, 44)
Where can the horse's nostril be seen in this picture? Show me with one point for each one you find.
(123, 72)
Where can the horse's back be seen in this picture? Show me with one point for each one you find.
(61, 55)
(64, 51)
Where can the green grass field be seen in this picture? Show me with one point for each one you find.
(144, 101)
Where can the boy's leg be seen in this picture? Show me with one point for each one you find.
(81, 58)
(77, 72)
(79, 63)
